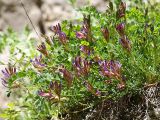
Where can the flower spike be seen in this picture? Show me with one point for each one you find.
(85, 32)
(67, 76)
(37, 63)
(62, 37)
(105, 33)
(56, 87)
(58, 31)
(121, 10)
(111, 69)
(125, 43)
(7, 74)
(86, 49)
(121, 29)
(81, 66)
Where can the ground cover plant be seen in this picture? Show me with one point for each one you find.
(102, 56)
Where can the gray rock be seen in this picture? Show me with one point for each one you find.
(13, 15)
(44, 11)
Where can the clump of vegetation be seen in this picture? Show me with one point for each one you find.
(109, 55)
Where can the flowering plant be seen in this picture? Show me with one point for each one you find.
(109, 55)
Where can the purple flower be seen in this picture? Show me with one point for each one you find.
(82, 34)
(42, 48)
(121, 29)
(86, 49)
(81, 66)
(67, 76)
(85, 32)
(62, 37)
(53, 93)
(37, 63)
(44, 94)
(56, 87)
(110, 69)
(105, 33)
(125, 43)
(7, 74)
(58, 31)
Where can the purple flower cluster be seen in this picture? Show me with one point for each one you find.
(37, 63)
(45, 94)
(86, 49)
(58, 31)
(121, 29)
(54, 87)
(124, 41)
(7, 74)
(81, 66)
(85, 32)
(110, 69)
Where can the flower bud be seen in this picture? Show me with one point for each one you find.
(121, 10)
(105, 33)
(121, 29)
(67, 76)
(42, 48)
(125, 43)
(37, 63)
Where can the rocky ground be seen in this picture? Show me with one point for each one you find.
(144, 105)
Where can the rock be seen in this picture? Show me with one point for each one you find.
(101, 5)
(9, 2)
(54, 2)
(13, 15)
(44, 11)
(2, 24)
